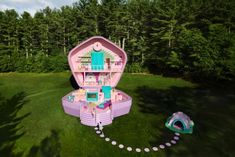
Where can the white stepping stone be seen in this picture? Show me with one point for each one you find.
(129, 149)
(176, 138)
(177, 134)
(107, 139)
(161, 146)
(168, 144)
(138, 150)
(146, 149)
(121, 146)
(155, 149)
(98, 132)
(173, 141)
(114, 143)
(96, 128)
(102, 135)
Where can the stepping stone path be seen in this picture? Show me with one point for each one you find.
(107, 139)
(129, 149)
(138, 150)
(168, 144)
(114, 142)
(121, 146)
(161, 146)
(155, 149)
(177, 134)
(146, 149)
(176, 138)
(171, 142)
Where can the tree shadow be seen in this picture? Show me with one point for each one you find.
(49, 147)
(9, 123)
(211, 110)
(73, 82)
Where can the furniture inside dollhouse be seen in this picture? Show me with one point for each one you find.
(96, 95)
(100, 61)
(98, 66)
(97, 99)
(97, 79)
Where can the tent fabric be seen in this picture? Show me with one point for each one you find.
(179, 116)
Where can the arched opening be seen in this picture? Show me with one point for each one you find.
(179, 125)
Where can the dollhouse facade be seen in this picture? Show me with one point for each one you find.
(97, 65)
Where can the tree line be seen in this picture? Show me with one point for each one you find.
(186, 37)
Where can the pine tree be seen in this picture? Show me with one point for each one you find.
(25, 30)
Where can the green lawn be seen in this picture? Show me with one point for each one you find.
(32, 121)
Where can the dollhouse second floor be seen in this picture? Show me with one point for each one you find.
(98, 59)
(97, 62)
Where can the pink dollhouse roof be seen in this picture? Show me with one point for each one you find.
(94, 44)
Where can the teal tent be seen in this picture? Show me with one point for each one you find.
(180, 122)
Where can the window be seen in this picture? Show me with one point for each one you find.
(92, 96)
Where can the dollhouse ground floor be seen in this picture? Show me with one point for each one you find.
(92, 113)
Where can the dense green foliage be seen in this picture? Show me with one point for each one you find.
(187, 37)
(33, 123)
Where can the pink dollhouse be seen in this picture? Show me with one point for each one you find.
(97, 65)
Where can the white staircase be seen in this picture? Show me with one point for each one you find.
(87, 118)
(104, 117)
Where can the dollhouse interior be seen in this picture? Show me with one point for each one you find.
(97, 66)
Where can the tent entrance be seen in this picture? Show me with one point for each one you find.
(179, 125)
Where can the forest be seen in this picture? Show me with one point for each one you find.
(191, 38)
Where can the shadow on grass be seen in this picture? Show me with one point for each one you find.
(212, 111)
(73, 82)
(49, 147)
(9, 123)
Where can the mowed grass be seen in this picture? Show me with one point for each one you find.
(32, 121)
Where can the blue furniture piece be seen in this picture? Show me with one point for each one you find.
(101, 105)
(97, 60)
(104, 104)
(107, 91)
(70, 98)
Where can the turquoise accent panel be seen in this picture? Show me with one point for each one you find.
(107, 91)
(70, 98)
(97, 60)
(101, 105)
(92, 96)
